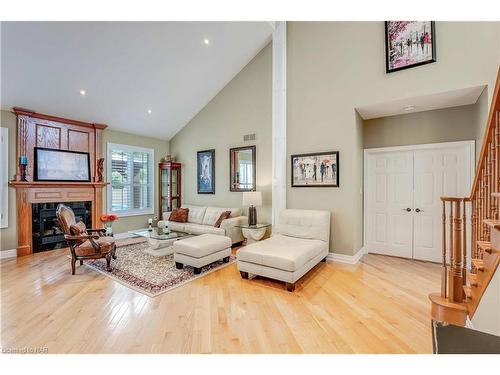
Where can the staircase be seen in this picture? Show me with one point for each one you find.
(463, 284)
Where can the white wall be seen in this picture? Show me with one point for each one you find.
(487, 315)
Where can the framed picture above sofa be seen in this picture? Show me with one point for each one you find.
(320, 169)
(206, 171)
(409, 44)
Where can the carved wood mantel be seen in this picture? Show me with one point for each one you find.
(39, 130)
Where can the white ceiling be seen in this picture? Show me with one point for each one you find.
(125, 68)
(454, 98)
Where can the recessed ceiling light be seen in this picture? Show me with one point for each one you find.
(82, 92)
(149, 111)
(410, 107)
(206, 41)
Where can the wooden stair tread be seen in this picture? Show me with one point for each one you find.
(478, 263)
(492, 223)
(495, 194)
(484, 245)
(472, 277)
(437, 299)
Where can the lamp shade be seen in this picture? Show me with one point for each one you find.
(252, 198)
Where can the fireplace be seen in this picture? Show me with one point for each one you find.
(47, 234)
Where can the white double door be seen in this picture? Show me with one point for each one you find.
(403, 185)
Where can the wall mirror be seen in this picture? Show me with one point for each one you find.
(242, 168)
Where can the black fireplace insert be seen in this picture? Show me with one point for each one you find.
(47, 234)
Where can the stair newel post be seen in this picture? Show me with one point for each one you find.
(464, 242)
(456, 292)
(444, 269)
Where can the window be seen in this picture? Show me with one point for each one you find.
(130, 173)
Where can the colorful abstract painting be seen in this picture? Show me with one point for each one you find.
(409, 44)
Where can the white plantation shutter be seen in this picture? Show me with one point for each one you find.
(131, 177)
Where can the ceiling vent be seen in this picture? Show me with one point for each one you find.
(249, 137)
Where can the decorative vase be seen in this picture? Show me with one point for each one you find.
(108, 225)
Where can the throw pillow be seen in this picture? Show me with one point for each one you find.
(179, 215)
(78, 229)
(223, 216)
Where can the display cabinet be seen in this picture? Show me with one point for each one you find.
(170, 186)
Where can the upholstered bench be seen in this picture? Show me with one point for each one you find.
(300, 243)
(198, 251)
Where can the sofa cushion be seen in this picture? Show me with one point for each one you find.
(282, 252)
(308, 224)
(201, 246)
(223, 216)
(202, 229)
(213, 213)
(179, 215)
(196, 213)
(177, 227)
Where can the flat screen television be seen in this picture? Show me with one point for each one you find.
(61, 165)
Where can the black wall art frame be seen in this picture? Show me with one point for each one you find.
(409, 44)
(319, 169)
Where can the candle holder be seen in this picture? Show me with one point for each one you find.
(23, 162)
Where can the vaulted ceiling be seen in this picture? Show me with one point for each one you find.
(147, 78)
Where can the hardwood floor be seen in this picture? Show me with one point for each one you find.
(377, 306)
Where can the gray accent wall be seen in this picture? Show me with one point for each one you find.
(442, 125)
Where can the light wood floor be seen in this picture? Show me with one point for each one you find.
(377, 306)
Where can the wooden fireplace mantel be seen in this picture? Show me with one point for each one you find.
(40, 130)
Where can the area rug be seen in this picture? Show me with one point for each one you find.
(150, 275)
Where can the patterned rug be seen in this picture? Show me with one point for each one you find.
(149, 274)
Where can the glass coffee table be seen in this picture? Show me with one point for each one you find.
(160, 241)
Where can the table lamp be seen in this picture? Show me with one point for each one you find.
(252, 199)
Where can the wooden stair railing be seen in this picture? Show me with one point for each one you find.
(462, 284)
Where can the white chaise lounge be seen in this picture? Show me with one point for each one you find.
(301, 242)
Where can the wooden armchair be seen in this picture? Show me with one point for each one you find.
(84, 243)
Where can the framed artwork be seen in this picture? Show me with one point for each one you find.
(206, 171)
(320, 169)
(409, 44)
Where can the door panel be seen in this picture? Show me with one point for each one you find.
(390, 192)
(438, 172)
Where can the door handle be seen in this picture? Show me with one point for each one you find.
(407, 209)
(418, 210)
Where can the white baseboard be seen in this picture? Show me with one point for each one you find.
(349, 259)
(8, 254)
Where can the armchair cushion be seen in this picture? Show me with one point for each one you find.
(78, 228)
(86, 248)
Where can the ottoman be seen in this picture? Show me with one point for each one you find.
(198, 251)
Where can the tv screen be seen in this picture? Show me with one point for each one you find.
(61, 165)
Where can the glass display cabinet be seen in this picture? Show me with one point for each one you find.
(170, 186)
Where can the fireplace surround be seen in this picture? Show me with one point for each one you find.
(45, 131)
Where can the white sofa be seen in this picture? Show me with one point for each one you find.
(301, 242)
(201, 220)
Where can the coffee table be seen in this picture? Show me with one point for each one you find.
(160, 241)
